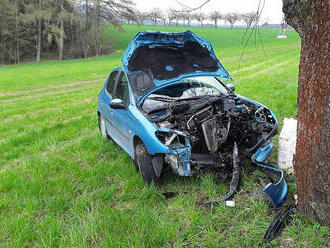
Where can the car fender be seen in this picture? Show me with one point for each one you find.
(145, 131)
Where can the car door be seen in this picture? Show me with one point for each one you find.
(106, 111)
(120, 117)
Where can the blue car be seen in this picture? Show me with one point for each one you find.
(167, 107)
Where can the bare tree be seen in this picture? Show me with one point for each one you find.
(265, 22)
(181, 16)
(39, 30)
(163, 17)
(249, 18)
(171, 15)
(215, 16)
(189, 17)
(200, 17)
(232, 18)
(310, 18)
(155, 14)
(143, 16)
(62, 33)
(177, 17)
(17, 34)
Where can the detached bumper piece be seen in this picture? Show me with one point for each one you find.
(234, 183)
(236, 178)
(276, 192)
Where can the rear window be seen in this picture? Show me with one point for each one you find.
(111, 83)
(122, 88)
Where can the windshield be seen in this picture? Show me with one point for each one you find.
(193, 87)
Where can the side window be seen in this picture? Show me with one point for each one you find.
(111, 83)
(122, 88)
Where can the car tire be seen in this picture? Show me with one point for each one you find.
(143, 161)
(103, 128)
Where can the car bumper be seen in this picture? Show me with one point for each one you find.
(276, 192)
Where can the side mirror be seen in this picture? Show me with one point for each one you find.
(117, 104)
(231, 87)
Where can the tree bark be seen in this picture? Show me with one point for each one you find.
(312, 158)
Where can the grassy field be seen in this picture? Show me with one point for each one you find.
(61, 185)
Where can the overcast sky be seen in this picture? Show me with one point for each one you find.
(272, 11)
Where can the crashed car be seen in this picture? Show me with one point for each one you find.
(167, 106)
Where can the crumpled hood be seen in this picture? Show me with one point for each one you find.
(154, 59)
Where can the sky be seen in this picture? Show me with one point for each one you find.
(272, 11)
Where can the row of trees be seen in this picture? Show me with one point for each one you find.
(72, 28)
(171, 16)
(67, 28)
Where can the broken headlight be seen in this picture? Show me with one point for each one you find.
(171, 139)
(265, 115)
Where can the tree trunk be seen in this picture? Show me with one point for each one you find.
(97, 34)
(61, 39)
(86, 16)
(39, 33)
(16, 27)
(3, 52)
(216, 23)
(312, 159)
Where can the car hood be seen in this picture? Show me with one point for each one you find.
(155, 59)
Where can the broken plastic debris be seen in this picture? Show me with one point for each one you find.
(282, 219)
(230, 203)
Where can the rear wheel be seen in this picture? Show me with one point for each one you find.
(143, 161)
(103, 128)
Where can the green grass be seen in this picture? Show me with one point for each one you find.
(61, 185)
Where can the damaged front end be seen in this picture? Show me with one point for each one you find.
(179, 155)
(201, 122)
(208, 128)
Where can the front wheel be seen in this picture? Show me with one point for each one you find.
(143, 161)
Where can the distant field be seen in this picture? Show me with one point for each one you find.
(61, 185)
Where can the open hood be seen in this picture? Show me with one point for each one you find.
(154, 59)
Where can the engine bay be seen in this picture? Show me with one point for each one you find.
(213, 119)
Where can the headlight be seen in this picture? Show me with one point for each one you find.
(172, 139)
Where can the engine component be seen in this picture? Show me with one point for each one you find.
(198, 118)
(214, 133)
(227, 106)
(210, 130)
